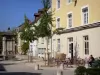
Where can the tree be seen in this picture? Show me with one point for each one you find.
(44, 27)
(76, 52)
(27, 33)
(25, 47)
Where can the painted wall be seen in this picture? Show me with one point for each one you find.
(20, 42)
(94, 42)
(33, 48)
(94, 11)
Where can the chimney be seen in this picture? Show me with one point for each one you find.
(36, 16)
(8, 28)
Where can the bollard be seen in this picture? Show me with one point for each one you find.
(59, 72)
(36, 66)
(86, 65)
(62, 66)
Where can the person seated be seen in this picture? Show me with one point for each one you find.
(91, 60)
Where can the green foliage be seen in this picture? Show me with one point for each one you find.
(58, 31)
(81, 70)
(27, 32)
(44, 27)
(93, 71)
(25, 47)
(46, 4)
(89, 71)
(96, 64)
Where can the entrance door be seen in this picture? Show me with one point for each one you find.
(70, 47)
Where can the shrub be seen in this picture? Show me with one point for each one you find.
(81, 70)
(25, 47)
(93, 71)
(96, 64)
(61, 56)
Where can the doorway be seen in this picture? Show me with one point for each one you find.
(70, 48)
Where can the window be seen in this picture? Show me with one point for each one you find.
(58, 4)
(70, 44)
(17, 30)
(42, 40)
(58, 46)
(69, 1)
(41, 50)
(85, 15)
(86, 44)
(58, 23)
(69, 20)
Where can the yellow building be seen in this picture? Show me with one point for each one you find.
(81, 22)
(19, 41)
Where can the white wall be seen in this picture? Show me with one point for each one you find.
(94, 41)
(41, 47)
(33, 46)
(19, 43)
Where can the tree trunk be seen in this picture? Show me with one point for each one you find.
(47, 55)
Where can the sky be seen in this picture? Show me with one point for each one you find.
(12, 12)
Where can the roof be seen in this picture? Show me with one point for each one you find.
(38, 15)
(20, 27)
(8, 33)
(84, 27)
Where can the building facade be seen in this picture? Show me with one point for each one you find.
(38, 46)
(41, 42)
(80, 23)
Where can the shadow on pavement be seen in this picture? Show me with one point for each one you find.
(3, 72)
(17, 59)
(8, 63)
(19, 73)
(2, 68)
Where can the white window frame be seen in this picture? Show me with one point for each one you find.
(57, 4)
(86, 41)
(69, 42)
(57, 26)
(68, 19)
(82, 18)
